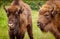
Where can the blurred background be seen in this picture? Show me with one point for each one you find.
(37, 33)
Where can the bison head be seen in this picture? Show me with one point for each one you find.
(13, 15)
(46, 16)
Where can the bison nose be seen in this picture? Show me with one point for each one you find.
(10, 24)
(40, 25)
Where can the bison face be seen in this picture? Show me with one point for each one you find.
(13, 16)
(12, 19)
(44, 18)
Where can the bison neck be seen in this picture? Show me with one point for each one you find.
(56, 22)
(57, 36)
(55, 33)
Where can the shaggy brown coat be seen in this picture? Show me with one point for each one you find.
(19, 19)
(49, 17)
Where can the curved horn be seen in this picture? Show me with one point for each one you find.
(38, 4)
(4, 8)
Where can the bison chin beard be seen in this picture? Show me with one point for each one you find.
(44, 28)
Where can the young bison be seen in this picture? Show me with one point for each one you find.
(49, 17)
(19, 19)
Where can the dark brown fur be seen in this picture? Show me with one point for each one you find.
(49, 17)
(19, 19)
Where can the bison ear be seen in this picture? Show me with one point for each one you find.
(4, 8)
(20, 11)
(53, 12)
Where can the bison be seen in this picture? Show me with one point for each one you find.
(19, 19)
(49, 18)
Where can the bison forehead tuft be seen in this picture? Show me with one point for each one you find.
(13, 8)
(45, 8)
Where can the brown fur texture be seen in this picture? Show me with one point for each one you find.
(49, 17)
(19, 19)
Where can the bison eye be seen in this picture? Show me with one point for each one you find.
(47, 16)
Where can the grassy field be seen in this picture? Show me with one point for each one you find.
(36, 31)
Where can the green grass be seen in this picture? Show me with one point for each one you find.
(36, 31)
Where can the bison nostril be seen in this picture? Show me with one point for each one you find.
(40, 25)
(11, 25)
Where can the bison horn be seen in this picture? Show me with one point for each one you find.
(38, 4)
(4, 8)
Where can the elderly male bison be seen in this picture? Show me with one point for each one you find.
(19, 19)
(49, 17)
